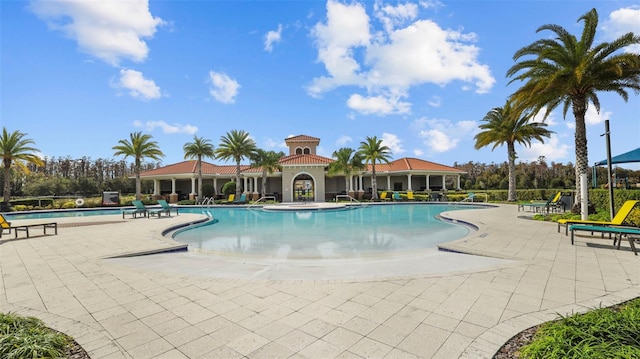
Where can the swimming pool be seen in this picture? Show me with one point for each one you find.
(341, 234)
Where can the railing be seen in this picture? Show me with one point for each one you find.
(261, 199)
(351, 199)
(206, 201)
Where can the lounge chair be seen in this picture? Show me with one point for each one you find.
(383, 196)
(164, 208)
(552, 202)
(241, 200)
(631, 233)
(470, 197)
(396, 196)
(410, 196)
(139, 209)
(228, 200)
(6, 226)
(617, 220)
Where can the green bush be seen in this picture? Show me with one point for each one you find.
(28, 337)
(600, 333)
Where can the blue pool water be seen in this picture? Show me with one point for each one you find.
(339, 234)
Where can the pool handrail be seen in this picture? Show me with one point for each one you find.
(351, 199)
(256, 202)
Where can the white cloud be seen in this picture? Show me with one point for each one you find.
(165, 127)
(272, 37)
(418, 152)
(435, 101)
(441, 135)
(343, 141)
(552, 149)
(392, 60)
(109, 30)
(271, 143)
(592, 117)
(393, 142)
(622, 21)
(223, 88)
(137, 85)
(539, 117)
(378, 105)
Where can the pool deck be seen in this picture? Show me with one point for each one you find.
(130, 308)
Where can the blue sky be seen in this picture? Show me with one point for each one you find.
(78, 76)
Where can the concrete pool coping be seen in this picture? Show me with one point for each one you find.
(117, 312)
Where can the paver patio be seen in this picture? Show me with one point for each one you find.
(158, 306)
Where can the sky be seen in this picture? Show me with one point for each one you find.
(78, 76)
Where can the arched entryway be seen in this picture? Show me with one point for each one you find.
(304, 188)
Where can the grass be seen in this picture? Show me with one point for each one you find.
(28, 337)
(601, 333)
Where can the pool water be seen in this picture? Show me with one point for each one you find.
(338, 234)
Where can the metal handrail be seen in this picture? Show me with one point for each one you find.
(351, 199)
(254, 203)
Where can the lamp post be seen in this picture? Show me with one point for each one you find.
(607, 135)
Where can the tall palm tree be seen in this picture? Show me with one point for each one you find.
(347, 161)
(236, 145)
(507, 125)
(138, 146)
(198, 149)
(570, 71)
(269, 162)
(372, 151)
(16, 151)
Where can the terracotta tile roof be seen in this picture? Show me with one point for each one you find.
(191, 166)
(301, 138)
(413, 164)
(306, 159)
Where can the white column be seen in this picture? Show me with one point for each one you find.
(215, 186)
(459, 188)
(245, 187)
(255, 185)
(388, 182)
(409, 181)
(350, 187)
(427, 189)
(360, 184)
(193, 186)
(444, 183)
(156, 187)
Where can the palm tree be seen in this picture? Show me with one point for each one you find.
(372, 151)
(236, 145)
(138, 146)
(269, 162)
(198, 149)
(570, 71)
(507, 125)
(347, 160)
(16, 151)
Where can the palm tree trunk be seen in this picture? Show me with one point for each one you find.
(7, 182)
(511, 197)
(238, 188)
(374, 183)
(582, 160)
(138, 181)
(199, 195)
(264, 182)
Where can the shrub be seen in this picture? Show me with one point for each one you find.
(28, 337)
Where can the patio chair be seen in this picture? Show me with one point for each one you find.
(164, 208)
(617, 220)
(139, 209)
(241, 200)
(470, 197)
(631, 233)
(383, 196)
(552, 202)
(410, 196)
(5, 225)
(229, 200)
(396, 196)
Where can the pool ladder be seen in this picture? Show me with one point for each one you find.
(207, 201)
(256, 203)
(351, 200)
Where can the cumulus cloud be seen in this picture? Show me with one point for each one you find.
(378, 105)
(592, 117)
(165, 127)
(109, 30)
(223, 88)
(553, 149)
(272, 37)
(137, 85)
(441, 135)
(393, 142)
(622, 21)
(407, 52)
(343, 141)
